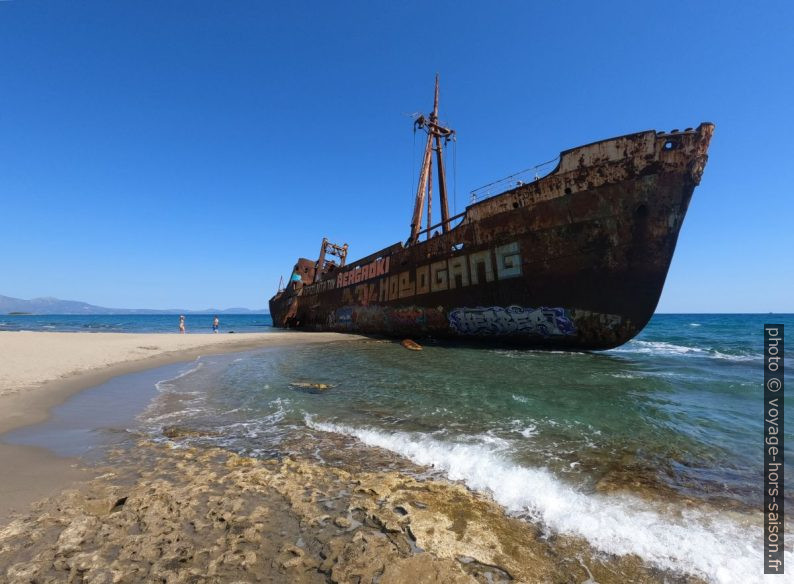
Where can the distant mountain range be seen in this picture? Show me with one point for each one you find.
(57, 306)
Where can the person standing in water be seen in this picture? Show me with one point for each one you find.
(182, 323)
(215, 324)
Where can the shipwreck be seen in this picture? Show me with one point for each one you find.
(575, 259)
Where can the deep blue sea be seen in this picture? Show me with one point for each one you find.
(653, 448)
(135, 323)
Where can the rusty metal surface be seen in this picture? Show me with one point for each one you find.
(435, 133)
(576, 259)
(326, 266)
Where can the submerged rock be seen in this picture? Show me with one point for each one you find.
(177, 432)
(310, 387)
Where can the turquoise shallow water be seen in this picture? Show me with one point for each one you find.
(676, 409)
(653, 448)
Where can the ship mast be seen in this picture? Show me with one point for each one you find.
(435, 133)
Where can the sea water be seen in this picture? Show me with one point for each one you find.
(653, 448)
(134, 323)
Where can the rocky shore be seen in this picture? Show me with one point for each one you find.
(185, 515)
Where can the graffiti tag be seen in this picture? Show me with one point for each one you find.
(513, 320)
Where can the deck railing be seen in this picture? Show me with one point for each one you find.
(512, 181)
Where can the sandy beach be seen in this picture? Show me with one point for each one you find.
(39, 370)
(28, 359)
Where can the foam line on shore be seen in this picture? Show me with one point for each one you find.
(683, 540)
(163, 383)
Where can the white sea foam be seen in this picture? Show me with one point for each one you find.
(520, 398)
(671, 349)
(253, 429)
(719, 549)
(625, 376)
(177, 414)
(656, 348)
(727, 357)
(165, 383)
(527, 430)
(493, 441)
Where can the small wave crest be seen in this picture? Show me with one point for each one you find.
(663, 348)
(657, 348)
(625, 375)
(164, 384)
(690, 541)
(728, 357)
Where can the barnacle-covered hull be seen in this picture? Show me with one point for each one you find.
(574, 260)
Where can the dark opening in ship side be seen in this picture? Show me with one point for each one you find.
(576, 259)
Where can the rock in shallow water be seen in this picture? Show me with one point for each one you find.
(310, 387)
(177, 432)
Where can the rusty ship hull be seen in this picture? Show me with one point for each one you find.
(576, 259)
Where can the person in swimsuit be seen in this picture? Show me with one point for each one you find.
(182, 323)
(215, 324)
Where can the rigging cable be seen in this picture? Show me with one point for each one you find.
(413, 164)
(455, 176)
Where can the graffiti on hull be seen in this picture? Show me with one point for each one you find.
(511, 320)
(374, 318)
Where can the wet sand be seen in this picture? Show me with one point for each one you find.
(40, 370)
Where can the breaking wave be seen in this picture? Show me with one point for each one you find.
(683, 540)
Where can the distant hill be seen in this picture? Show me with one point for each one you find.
(57, 306)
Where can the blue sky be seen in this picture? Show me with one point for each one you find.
(159, 154)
